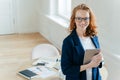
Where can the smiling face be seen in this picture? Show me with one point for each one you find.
(82, 20)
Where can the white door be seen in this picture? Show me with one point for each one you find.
(6, 17)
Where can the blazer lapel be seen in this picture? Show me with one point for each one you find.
(95, 41)
(77, 44)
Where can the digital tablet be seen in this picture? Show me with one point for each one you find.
(89, 53)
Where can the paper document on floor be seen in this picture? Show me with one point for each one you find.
(42, 71)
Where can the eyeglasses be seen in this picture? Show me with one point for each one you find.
(80, 19)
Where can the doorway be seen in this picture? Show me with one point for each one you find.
(7, 20)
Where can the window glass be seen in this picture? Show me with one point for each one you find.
(64, 8)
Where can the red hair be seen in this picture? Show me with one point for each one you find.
(91, 29)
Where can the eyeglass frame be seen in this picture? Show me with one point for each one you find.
(80, 19)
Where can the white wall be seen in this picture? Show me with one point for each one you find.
(54, 32)
(107, 14)
(108, 25)
(26, 18)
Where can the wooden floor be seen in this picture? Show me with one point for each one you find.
(15, 51)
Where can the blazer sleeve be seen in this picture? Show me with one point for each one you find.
(101, 64)
(67, 66)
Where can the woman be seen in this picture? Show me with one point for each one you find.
(83, 36)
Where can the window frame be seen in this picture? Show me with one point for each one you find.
(64, 8)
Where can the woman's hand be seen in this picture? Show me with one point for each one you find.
(96, 60)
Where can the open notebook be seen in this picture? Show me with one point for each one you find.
(27, 74)
(37, 72)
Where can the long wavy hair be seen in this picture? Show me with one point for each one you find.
(91, 29)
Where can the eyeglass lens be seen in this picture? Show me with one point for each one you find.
(80, 19)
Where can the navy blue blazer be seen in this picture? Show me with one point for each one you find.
(72, 58)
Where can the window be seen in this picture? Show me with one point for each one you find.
(64, 8)
(60, 11)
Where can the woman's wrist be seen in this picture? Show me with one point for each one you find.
(86, 66)
(89, 65)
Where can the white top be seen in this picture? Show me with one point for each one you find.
(87, 44)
